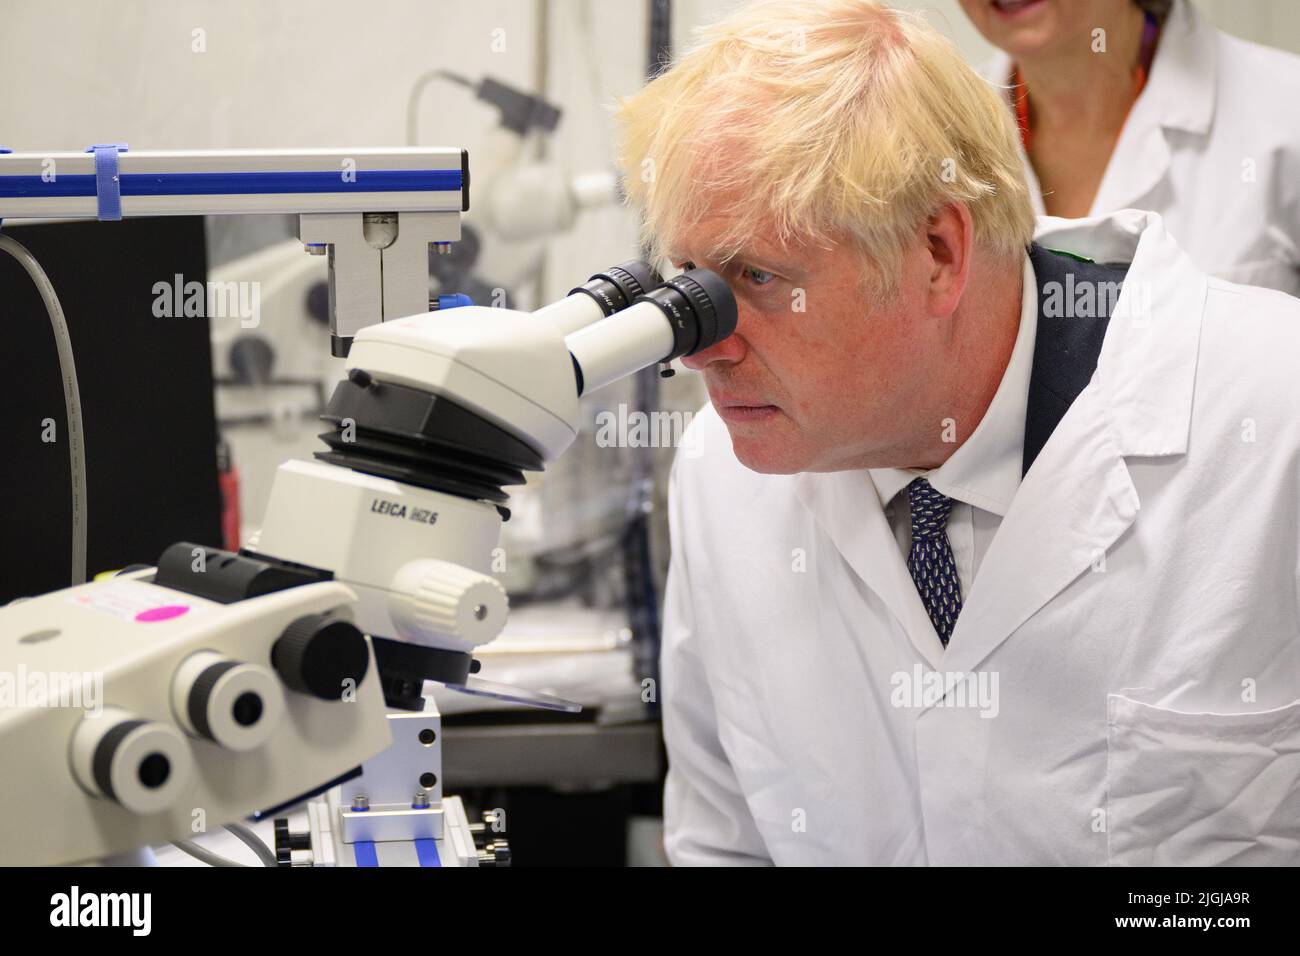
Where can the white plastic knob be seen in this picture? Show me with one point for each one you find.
(143, 765)
(236, 704)
(446, 605)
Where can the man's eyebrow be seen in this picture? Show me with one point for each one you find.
(752, 257)
(775, 262)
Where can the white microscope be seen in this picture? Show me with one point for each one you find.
(234, 685)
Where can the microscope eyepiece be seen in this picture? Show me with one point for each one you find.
(617, 287)
(699, 306)
(600, 297)
(687, 313)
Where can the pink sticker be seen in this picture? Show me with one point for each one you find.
(164, 613)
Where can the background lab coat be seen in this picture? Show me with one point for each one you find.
(1138, 606)
(1213, 145)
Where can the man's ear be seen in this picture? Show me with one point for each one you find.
(949, 236)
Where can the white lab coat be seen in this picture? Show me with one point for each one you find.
(1139, 609)
(1213, 145)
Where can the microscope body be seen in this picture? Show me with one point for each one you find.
(135, 756)
(143, 714)
(439, 413)
(228, 685)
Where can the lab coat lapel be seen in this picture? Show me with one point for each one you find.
(1140, 161)
(1179, 95)
(847, 508)
(1074, 503)
(1078, 498)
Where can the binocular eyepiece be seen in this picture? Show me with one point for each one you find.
(639, 319)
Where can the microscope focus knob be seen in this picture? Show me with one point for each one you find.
(317, 654)
(142, 765)
(233, 703)
(447, 605)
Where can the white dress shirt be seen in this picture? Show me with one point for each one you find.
(982, 475)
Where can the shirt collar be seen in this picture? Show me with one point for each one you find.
(985, 470)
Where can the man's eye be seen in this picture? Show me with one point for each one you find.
(757, 276)
(687, 266)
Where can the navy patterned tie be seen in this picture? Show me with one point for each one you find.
(930, 561)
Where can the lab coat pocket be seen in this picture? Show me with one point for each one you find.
(1201, 789)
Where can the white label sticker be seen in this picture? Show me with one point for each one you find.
(135, 601)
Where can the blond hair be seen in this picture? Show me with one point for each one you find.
(816, 122)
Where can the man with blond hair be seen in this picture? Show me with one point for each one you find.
(990, 549)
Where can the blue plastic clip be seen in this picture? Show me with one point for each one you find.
(108, 186)
(453, 301)
(4, 149)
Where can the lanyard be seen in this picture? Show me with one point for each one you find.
(1146, 54)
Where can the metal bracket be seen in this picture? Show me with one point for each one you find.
(378, 265)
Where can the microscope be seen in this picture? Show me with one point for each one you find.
(230, 685)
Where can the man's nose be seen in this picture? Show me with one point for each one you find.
(731, 349)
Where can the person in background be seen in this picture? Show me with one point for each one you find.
(1144, 104)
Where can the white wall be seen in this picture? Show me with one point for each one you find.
(283, 72)
(1271, 22)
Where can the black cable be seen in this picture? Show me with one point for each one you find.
(638, 557)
